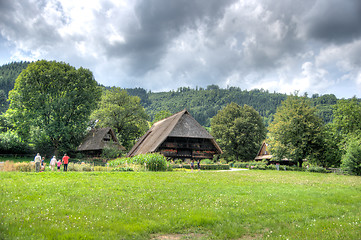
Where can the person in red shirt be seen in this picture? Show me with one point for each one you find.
(65, 162)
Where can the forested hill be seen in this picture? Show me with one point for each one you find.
(203, 104)
(8, 74)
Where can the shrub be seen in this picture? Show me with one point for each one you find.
(111, 152)
(123, 169)
(24, 166)
(10, 142)
(76, 167)
(101, 169)
(241, 164)
(9, 166)
(156, 162)
(206, 161)
(206, 166)
(317, 169)
(351, 160)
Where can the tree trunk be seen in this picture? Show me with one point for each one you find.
(300, 161)
(56, 147)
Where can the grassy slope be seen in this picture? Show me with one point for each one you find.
(219, 205)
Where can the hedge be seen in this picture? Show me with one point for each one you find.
(204, 166)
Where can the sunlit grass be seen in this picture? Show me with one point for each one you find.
(216, 205)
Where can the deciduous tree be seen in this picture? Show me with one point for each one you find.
(295, 132)
(55, 99)
(123, 113)
(239, 131)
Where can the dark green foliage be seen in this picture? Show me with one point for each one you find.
(3, 101)
(156, 162)
(204, 166)
(351, 161)
(317, 169)
(123, 169)
(296, 132)
(204, 104)
(53, 99)
(8, 74)
(239, 131)
(161, 115)
(347, 120)
(111, 152)
(123, 113)
(141, 93)
(10, 143)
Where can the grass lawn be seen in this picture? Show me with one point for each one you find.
(179, 205)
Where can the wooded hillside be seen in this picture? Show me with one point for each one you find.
(202, 103)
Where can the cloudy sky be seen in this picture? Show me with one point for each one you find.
(313, 46)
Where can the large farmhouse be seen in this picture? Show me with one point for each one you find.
(97, 139)
(179, 136)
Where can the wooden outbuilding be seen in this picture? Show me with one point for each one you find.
(263, 153)
(97, 139)
(179, 136)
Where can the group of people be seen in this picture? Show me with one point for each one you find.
(198, 165)
(40, 164)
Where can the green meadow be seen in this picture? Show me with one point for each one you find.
(179, 205)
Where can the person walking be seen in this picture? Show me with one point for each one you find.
(192, 165)
(37, 161)
(53, 163)
(199, 165)
(42, 167)
(59, 164)
(65, 162)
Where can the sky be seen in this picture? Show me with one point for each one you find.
(311, 46)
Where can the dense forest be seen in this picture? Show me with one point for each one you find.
(202, 103)
(8, 74)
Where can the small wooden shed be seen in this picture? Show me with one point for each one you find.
(97, 139)
(179, 136)
(263, 153)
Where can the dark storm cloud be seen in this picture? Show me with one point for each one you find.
(23, 20)
(334, 21)
(280, 45)
(157, 23)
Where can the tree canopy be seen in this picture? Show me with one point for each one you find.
(239, 131)
(53, 101)
(295, 132)
(347, 119)
(123, 113)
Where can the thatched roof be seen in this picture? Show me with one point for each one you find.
(181, 124)
(98, 139)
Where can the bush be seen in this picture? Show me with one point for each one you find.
(206, 161)
(206, 166)
(156, 162)
(119, 161)
(317, 169)
(111, 152)
(10, 142)
(76, 167)
(24, 166)
(351, 161)
(150, 162)
(123, 169)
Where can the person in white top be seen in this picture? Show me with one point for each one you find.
(53, 163)
(37, 161)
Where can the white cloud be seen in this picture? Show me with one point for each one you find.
(162, 45)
